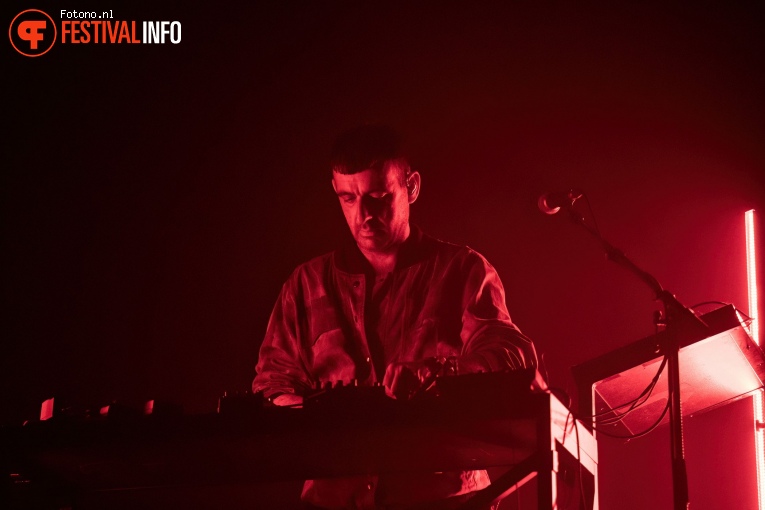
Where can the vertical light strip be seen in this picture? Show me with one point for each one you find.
(759, 446)
(751, 275)
(759, 416)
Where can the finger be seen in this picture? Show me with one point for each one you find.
(389, 376)
(405, 383)
(288, 399)
(389, 381)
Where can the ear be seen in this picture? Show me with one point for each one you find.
(413, 183)
(334, 186)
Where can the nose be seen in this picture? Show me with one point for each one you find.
(369, 208)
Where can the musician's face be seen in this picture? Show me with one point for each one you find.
(376, 206)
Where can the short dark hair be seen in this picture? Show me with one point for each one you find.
(366, 147)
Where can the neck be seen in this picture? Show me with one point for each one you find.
(382, 262)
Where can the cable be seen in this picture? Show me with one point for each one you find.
(551, 391)
(579, 466)
(592, 214)
(704, 303)
(746, 317)
(639, 434)
(559, 392)
(645, 395)
(563, 442)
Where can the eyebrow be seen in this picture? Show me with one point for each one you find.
(351, 194)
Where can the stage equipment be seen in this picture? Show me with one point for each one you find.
(681, 327)
(472, 422)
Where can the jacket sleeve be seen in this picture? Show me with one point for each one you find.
(491, 342)
(281, 366)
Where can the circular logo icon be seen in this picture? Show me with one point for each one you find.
(32, 33)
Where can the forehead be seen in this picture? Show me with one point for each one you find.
(367, 181)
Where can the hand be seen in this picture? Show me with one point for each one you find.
(288, 399)
(403, 379)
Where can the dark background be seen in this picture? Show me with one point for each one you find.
(155, 197)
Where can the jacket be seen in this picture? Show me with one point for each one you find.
(443, 300)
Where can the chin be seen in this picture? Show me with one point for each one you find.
(371, 243)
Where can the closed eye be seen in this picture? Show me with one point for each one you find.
(348, 198)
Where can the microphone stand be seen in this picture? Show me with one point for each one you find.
(680, 324)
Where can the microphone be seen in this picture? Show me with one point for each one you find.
(551, 203)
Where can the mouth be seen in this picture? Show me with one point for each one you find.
(368, 230)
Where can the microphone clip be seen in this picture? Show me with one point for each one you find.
(552, 203)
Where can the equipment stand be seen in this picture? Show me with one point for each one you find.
(679, 322)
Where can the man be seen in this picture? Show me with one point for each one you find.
(394, 306)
